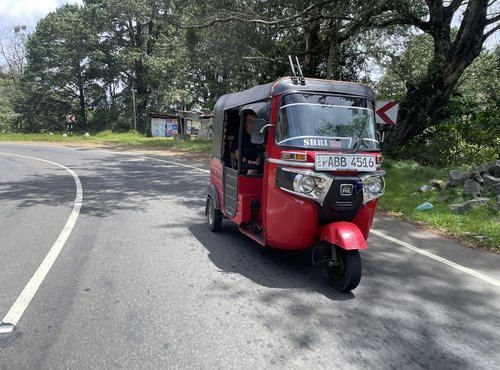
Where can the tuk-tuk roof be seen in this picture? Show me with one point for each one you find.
(285, 84)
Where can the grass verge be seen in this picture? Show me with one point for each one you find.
(479, 227)
(129, 139)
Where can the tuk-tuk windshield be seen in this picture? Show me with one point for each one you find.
(328, 122)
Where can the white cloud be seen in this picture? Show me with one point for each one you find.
(28, 12)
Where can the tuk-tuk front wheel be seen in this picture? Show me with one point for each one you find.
(214, 216)
(344, 271)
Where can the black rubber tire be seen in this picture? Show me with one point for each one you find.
(214, 216)
(347, 274)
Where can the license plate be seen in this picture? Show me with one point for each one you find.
(345, 162)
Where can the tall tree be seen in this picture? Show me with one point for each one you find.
(60, 63)
(133, 30)
(12, 67)
(425, 101)
(13, 52)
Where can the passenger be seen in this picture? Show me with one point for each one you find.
(251, 154)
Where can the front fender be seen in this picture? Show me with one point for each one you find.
(344, 234)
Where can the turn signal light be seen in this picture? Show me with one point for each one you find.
(289, 156)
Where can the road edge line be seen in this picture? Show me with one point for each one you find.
(22, 302)
(438, 258)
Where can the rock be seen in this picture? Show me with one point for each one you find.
(494, 168)
(456, 177)
(495, 189)
(465, 207)
(490, 180)
(65, 135)
(482, 169)
(476, 176)
(443, 197)
(472, 188)
(425, 189)
(438, 184)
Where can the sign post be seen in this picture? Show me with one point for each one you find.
(70, 121)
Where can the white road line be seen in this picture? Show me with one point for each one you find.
(178, 164)
(439, 259)
(137, 155)
(17, 310)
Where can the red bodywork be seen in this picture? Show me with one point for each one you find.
(289, 221)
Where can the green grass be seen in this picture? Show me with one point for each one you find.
(129, 139)
(400, 200)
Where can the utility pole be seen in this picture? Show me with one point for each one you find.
(133, 102)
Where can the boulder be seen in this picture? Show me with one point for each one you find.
(482, 169)
(456, 177)
(476, 176)
(472, 188)
(438, 184)
(443, 197)
(490, 180)
(494, 168)
(425, 189)
(495, 189)
(466, 206)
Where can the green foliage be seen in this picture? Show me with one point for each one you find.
(8, 116)
(471, 134)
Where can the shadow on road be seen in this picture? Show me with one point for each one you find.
(118, 183)
(233, 252)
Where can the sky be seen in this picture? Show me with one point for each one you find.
(28, 12)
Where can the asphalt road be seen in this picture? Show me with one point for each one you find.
(140, 282)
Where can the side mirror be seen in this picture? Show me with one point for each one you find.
(258, 135)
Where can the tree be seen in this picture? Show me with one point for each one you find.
(426, 99)
(471, 133)
(12, 66)
(61, 68)
(13, 52)
(132, 30)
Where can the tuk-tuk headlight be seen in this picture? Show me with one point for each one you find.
(373, 187)
(304, 184)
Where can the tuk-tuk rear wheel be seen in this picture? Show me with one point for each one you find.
(214, 216)
(345, 274)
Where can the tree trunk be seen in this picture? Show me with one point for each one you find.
(425, 104)
(312, 36)
(332, 63)
(81, 99)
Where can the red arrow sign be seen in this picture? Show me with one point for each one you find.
(70, 118)
(386, 112)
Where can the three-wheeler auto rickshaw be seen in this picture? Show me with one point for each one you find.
(316, 179)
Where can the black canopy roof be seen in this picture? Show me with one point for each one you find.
(285, 84)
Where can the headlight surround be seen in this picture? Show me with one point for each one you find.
(308, 184)
(373, 187)
(304, 184)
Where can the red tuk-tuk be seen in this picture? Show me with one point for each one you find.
(314, 177)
